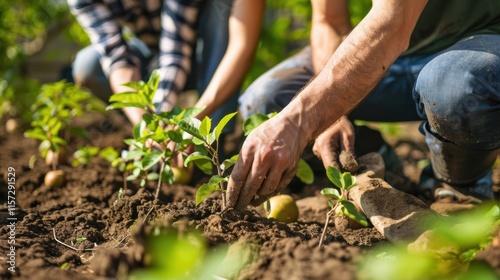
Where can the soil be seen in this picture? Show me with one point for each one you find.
(51, 221)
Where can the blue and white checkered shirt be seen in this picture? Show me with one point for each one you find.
(166, 26)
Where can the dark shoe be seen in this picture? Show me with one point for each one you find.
(446, 199)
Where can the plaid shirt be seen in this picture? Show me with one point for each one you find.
(166, 26)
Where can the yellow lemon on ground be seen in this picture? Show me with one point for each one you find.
(182, 175)
(282, 208)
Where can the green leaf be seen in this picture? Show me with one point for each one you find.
(188, 113)
(348, 180)
(223, 122)
(128, 97)
(334, 176)
(349, 210)
(131, 177)
(153, 176)
(109, 154)
(226, 164)
(191, 129)
(305, 172)
(208, 188)
(131, 155)
(167, 176)
(37, 134)
(121, 105)
(151, 159)
(205, 126)
(204, 163)
(175, 136)
(331, 192)
(252, 122)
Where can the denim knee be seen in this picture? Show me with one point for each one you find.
(458, 92)
(87, 67)
(272, 91)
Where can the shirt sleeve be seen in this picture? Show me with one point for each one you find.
(178, 34)
(98, 20)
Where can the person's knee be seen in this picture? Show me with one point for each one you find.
(457, 96)
(86, 67)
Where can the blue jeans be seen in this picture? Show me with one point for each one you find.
(211, 44)
(456, 90)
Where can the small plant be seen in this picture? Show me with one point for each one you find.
(53, 111)
(341, 205)
(206, 157)
(157, 140)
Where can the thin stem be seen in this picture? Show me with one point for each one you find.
(158, 187)
(327, 221)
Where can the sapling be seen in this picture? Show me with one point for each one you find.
(341, 206)
(158, 139)
(53, 111)
(206, 156)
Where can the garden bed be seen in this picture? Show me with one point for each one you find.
(89, 207)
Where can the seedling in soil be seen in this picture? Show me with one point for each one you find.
(158, 139)
(206, 157)
(340, 205)
(54, 109)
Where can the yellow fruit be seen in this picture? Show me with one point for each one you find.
(182, 175)
(282, 208)
(54, 179)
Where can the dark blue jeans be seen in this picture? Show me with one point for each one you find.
(210, 47)
(456, 90)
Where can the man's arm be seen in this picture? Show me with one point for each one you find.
(356, 66)
(244, 29)
(330, 25)
(270, 154)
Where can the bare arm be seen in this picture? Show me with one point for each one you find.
(330, 25)
(270, 154)
(244, 29)
(356, 66)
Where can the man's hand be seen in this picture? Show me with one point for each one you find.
(339, 137)
(267, 163)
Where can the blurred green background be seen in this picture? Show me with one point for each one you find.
(39, 38)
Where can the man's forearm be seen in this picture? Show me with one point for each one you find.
(355, 67)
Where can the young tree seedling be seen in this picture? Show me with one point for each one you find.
(341, 205)
(158, 139)
(206, 156)
(54, 109)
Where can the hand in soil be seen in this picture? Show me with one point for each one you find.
(328, 146)
(267, 163)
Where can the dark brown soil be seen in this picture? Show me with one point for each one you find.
(88, 206)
